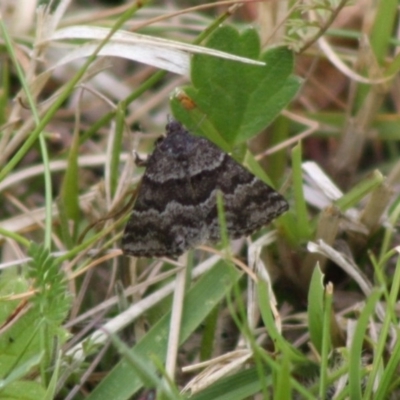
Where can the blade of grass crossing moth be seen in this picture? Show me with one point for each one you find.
(222, 221)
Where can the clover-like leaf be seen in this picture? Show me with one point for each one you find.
(238, 100)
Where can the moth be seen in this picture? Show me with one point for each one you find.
(176, 205)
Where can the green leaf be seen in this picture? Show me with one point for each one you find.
(239, 100)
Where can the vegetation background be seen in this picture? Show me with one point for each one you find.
(84, 85)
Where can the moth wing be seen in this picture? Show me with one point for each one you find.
(249, 203)
(176, 207)
(164, 220)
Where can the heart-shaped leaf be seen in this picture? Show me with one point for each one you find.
(237, 100)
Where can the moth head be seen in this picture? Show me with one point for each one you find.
(178, 143)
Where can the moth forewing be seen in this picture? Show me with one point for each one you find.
(177, 207)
